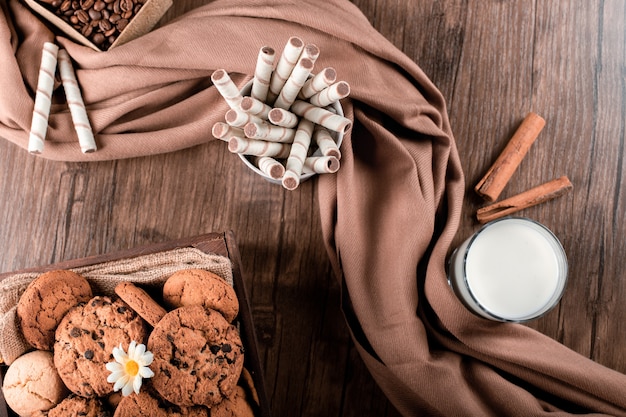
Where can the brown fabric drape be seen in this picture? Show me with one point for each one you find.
(388, 215)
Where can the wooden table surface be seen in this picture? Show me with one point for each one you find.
(494, 61)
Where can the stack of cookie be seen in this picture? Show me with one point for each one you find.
(195, 349)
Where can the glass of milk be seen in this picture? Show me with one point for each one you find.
(512, 269)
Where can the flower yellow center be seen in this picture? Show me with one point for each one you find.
(131, 368)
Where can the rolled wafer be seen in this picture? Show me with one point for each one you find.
(269, 166)
(256, 107)
(269, 132)
(286, 62)
(297, 154)
(257, 147)
(240, 118)
(310, 51)
(76, 104)
(224, 131)
(321, 116)
(263, 73)
(284, 118)
(43, 98)
(294, 83)
(320, 165)
(331, 94)
(318, 82)
(227, 88)
(325, 142)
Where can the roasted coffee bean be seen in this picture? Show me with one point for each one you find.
(98, 38)
(114, 18)
(94, 14)
(99, 5)
(66, 5)
(127, 5)
(87, 30)
(121, 24)
(104, 25)
(83, 16)
(86, 4)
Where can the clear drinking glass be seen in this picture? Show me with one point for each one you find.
(512, 269)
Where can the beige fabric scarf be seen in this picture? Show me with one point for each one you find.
(389, 214)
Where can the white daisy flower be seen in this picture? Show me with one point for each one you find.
(128, 370)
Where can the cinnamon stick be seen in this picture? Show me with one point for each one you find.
(540, 194)
(496, 178)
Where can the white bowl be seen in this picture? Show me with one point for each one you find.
(337, 136)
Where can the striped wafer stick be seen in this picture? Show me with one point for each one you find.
(321, 116)
(76, 104)
(325, 142)
(43, 98)
(240, 118)
(257, 147)
(263, 73)
(331, 94)
(256, 107)
(224, 131)
(297, 155)
(269, 166)
(320, 81)
(310, 51)
(294, 83)
(269, 132)
(320, 165)
(286, 62)
(282, 117)
(227, 88)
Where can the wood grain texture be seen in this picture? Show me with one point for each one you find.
(494, 61)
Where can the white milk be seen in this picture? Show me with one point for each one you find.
(512, 269)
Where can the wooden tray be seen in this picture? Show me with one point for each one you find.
(217, 243)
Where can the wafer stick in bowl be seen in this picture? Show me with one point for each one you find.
(331, 94)
(282, 117)
(240, 118)
(325, 142)
(255, 107)
(311, 52)
(321, 165)
(224, 131)
(294, 83)
(257, 147)
(269, 166)
(263, 73)
(286, 62)
(227, 88)
(76, 104)
(269, 132)
(321, 116)
(318, 82)
(297, 154)
(43, 98)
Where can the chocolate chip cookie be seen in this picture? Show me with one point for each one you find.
(44, 303)
(145, 404)
(79, 406)
(140, 301)
(198, 356)
(200, 287)
(85, 340)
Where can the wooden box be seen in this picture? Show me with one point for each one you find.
(222, 244)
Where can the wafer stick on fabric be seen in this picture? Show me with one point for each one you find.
(263, 73)
(294, 83)
(240, 118)
(227, 88)
(320, 165)
(318, 82)
(325, 142)
(43, 98)
(496, 178)
(532, 197)
(331, 94)
(269, 166)
(297, 155)
(282, 117)
(286, 62)
(269, 132)
(321, 116)
(76, 104)
(257, 147)
(224, 131)
(256, 107)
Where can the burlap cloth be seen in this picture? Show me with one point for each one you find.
(148, 270)
(388, 216)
